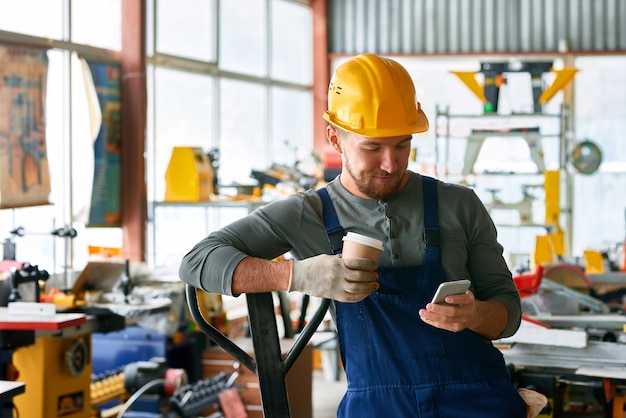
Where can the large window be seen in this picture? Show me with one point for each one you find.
(43, 18)
(243, 28)
(239, 83)
(243, 130)
(225, 75)
(48, 239)
(291, 58)
(186, 28)
(97, 23)
(184, 103)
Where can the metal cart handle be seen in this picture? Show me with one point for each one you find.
(268, 363)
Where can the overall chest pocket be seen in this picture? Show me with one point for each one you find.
(387, 326)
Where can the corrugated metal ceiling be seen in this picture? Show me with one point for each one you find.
(476, 26)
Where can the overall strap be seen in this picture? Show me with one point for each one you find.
(334, 231)
(431, 221)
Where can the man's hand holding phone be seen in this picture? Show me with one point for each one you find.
(450, 316)
(457, 287)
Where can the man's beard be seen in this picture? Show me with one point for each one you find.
(368, 189)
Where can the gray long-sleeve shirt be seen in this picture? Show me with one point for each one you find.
(295, 224)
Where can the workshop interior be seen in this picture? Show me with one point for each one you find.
(131, 129)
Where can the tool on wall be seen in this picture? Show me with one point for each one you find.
(495, 77)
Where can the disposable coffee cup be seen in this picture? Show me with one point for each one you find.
(361, 246)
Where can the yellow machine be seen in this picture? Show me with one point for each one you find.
(548, 246)
(189, 176)
(57, 373)
(97, 276)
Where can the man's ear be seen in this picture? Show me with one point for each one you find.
(333, 138)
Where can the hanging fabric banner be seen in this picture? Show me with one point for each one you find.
(105, 207)
(24, 172)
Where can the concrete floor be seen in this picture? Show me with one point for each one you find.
(326, 395)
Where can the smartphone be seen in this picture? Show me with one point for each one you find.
(455, 287)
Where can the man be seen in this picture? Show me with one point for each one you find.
(403, 356)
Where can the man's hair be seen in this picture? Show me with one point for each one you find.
(341, 133)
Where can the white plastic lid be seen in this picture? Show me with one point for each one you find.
(365, 240)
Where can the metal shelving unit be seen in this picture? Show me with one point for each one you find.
(536, 129)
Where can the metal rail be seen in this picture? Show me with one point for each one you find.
(268, 362)
(598, 355)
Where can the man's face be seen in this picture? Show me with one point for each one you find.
(373, 168)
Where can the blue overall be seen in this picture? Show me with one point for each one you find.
(397, 365)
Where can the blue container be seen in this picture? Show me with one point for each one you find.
(114, 350)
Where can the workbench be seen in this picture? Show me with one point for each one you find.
(51, 356)
(9, 389)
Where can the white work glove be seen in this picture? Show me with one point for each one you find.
(332, 277)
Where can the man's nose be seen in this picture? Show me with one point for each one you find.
(389, 160)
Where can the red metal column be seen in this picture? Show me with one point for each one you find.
(133, 65)
(321, 71)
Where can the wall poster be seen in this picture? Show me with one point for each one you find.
(24, 172)
(105, 209)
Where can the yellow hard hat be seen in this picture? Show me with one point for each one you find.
(374, 97)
